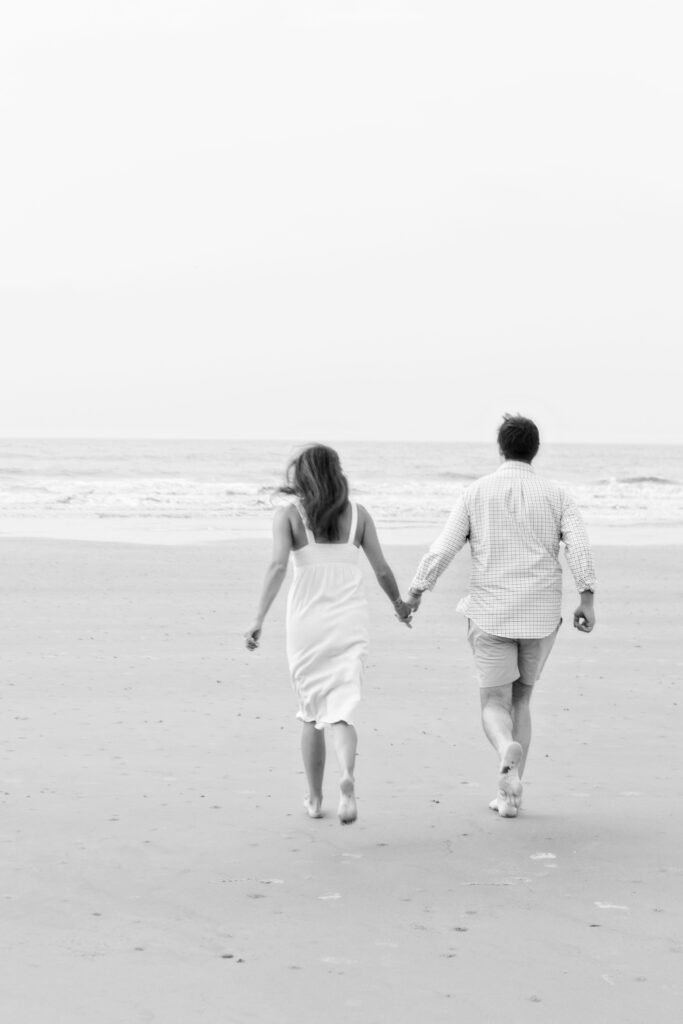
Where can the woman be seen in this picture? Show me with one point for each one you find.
(327, 634)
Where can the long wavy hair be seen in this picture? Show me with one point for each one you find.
(315, 477)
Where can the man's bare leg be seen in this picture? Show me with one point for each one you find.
(313, 752)
(498, 723)
(521, 719)
(345, 743)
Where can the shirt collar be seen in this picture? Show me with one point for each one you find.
(513, 466)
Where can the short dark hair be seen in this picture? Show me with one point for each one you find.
(518, 438)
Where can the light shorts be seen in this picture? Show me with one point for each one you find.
(499, 660)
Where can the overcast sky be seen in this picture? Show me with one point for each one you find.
(341, 219)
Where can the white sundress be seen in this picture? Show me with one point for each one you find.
(327, 630)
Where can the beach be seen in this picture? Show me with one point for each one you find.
(266, 255)
(157, 863)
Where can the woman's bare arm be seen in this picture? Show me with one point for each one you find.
(370, 544)
(275, 573)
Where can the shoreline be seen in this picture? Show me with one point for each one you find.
(181, 532)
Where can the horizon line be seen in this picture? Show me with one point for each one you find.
(290, 440)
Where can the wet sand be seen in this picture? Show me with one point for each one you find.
(157, 864)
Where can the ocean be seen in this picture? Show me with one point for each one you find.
(170, 490)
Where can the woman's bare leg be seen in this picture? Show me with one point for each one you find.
(345, 744)
(313, 752)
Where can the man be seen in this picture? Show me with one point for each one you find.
(514, 521)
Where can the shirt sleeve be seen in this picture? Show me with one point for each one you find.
(577, 547)
(444, 549)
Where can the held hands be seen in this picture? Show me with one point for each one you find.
(406, 609)
(404, 612)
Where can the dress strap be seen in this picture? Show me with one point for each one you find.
(309, 533)
(354, 522)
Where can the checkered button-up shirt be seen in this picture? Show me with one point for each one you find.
(514, 521)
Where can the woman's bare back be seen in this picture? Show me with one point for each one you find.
(299, 533)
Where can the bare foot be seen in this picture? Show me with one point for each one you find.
(506, 805)
(347, 810)
(509, 797)
(314, 806)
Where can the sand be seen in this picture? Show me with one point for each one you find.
(157, 864)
